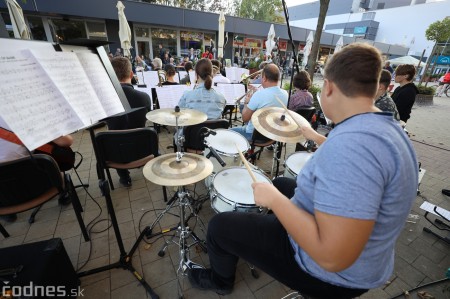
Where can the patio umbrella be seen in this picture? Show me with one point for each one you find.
(339, 44)
(270, 42)
(307, 48)
(124, 30)
(18, 21)
(221, 34)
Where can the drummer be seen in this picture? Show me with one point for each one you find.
(204, 98)
(335, 238)
(262, 98)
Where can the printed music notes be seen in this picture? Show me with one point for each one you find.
(169, 95)
(231, 92)
(235, 73)
(45, 95)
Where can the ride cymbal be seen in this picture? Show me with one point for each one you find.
(166, 171)
(167, 116)
(269, 122)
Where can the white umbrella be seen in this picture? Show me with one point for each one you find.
(404, 60)
(270, 42)
(18, 21)
(339, 44)
(124, 30)
(307, 48)
(221, 34)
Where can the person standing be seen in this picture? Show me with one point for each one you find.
(404, 96)
(207, 54)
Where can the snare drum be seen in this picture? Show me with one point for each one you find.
(224, 144)
(294, 163)
(232, 190)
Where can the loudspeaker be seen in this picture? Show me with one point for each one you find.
(37, 270)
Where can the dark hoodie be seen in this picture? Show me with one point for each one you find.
(404, 97)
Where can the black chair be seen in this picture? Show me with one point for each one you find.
(132, 119)
(258, 140)
(194, 141)
(29, 182)
(306, 112)
(125, 149)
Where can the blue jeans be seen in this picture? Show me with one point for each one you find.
(241, 130)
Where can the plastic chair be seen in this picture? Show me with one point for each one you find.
(194, 141)
(29, 182)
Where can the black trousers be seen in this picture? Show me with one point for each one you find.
(262, 241)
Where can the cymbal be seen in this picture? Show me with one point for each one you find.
(167, 116)
(166, 171)
(268, 122)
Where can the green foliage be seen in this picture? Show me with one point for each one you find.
(439, 31)
(252, 64)
(426, 89)
(261, 10)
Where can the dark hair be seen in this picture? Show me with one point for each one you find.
(203, 68)
(170, 70)
(406, 69)
(355, 70)
(122, 67)
(385, 78)
(271, 72)
(302, 80)
(188, 66)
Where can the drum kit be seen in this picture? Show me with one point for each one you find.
(225, 184)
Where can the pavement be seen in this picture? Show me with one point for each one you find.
(420, 257)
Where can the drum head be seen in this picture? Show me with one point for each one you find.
(296, 161)
(235, 184)
(224, 141)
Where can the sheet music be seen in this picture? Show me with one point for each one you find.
(231, 92)
(151, 78)
(101, 83)
(235, 73)
(170, 95)
(182, 74)
(147, 90)
(30, 102)
(67, 73)
(192, 77)
(429, 207)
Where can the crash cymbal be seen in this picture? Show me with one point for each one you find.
(268, 122)
(167, 116)
(166, 171)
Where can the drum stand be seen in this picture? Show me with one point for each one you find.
(277, 149)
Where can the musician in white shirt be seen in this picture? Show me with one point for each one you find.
(217, 76)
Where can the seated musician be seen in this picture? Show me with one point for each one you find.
(11, 148)
(383, 100)
(301, 97)
(217, 76)
(335, 237)
(136, 98)
(170, 75)
(188, 67)
(204, 98)
(262, 98)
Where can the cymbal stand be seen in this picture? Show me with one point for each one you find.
(277, 149)
(183, 199)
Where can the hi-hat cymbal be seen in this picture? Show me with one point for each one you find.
(167, 116)
(268, 122)
(166, 171)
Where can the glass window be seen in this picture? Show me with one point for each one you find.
(190, 39)
(96, 30)
(36, 28)
(68, 29)
(142, 32)
(8, 24)
(165, 37)
(210, 40)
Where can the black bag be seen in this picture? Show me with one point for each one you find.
(64, 156)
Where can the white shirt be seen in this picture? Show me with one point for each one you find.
(218, 78)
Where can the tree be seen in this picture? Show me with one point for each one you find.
(438, 31)
(316, 44)
(261, 10)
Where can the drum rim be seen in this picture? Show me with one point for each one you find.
(233, 132)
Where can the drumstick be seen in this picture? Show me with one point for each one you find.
(246, 164)
(288, 112)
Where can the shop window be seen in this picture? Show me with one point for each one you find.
(190, 39)
(65, 30)
(8, 24)
(96, 30)
(142, 32)
(167, 38)
(37, 28)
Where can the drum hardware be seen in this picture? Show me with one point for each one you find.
(205, 132)
(178, 169)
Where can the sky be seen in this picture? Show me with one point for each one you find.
(298, 2)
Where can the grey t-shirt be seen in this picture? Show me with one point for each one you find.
(366, 169)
